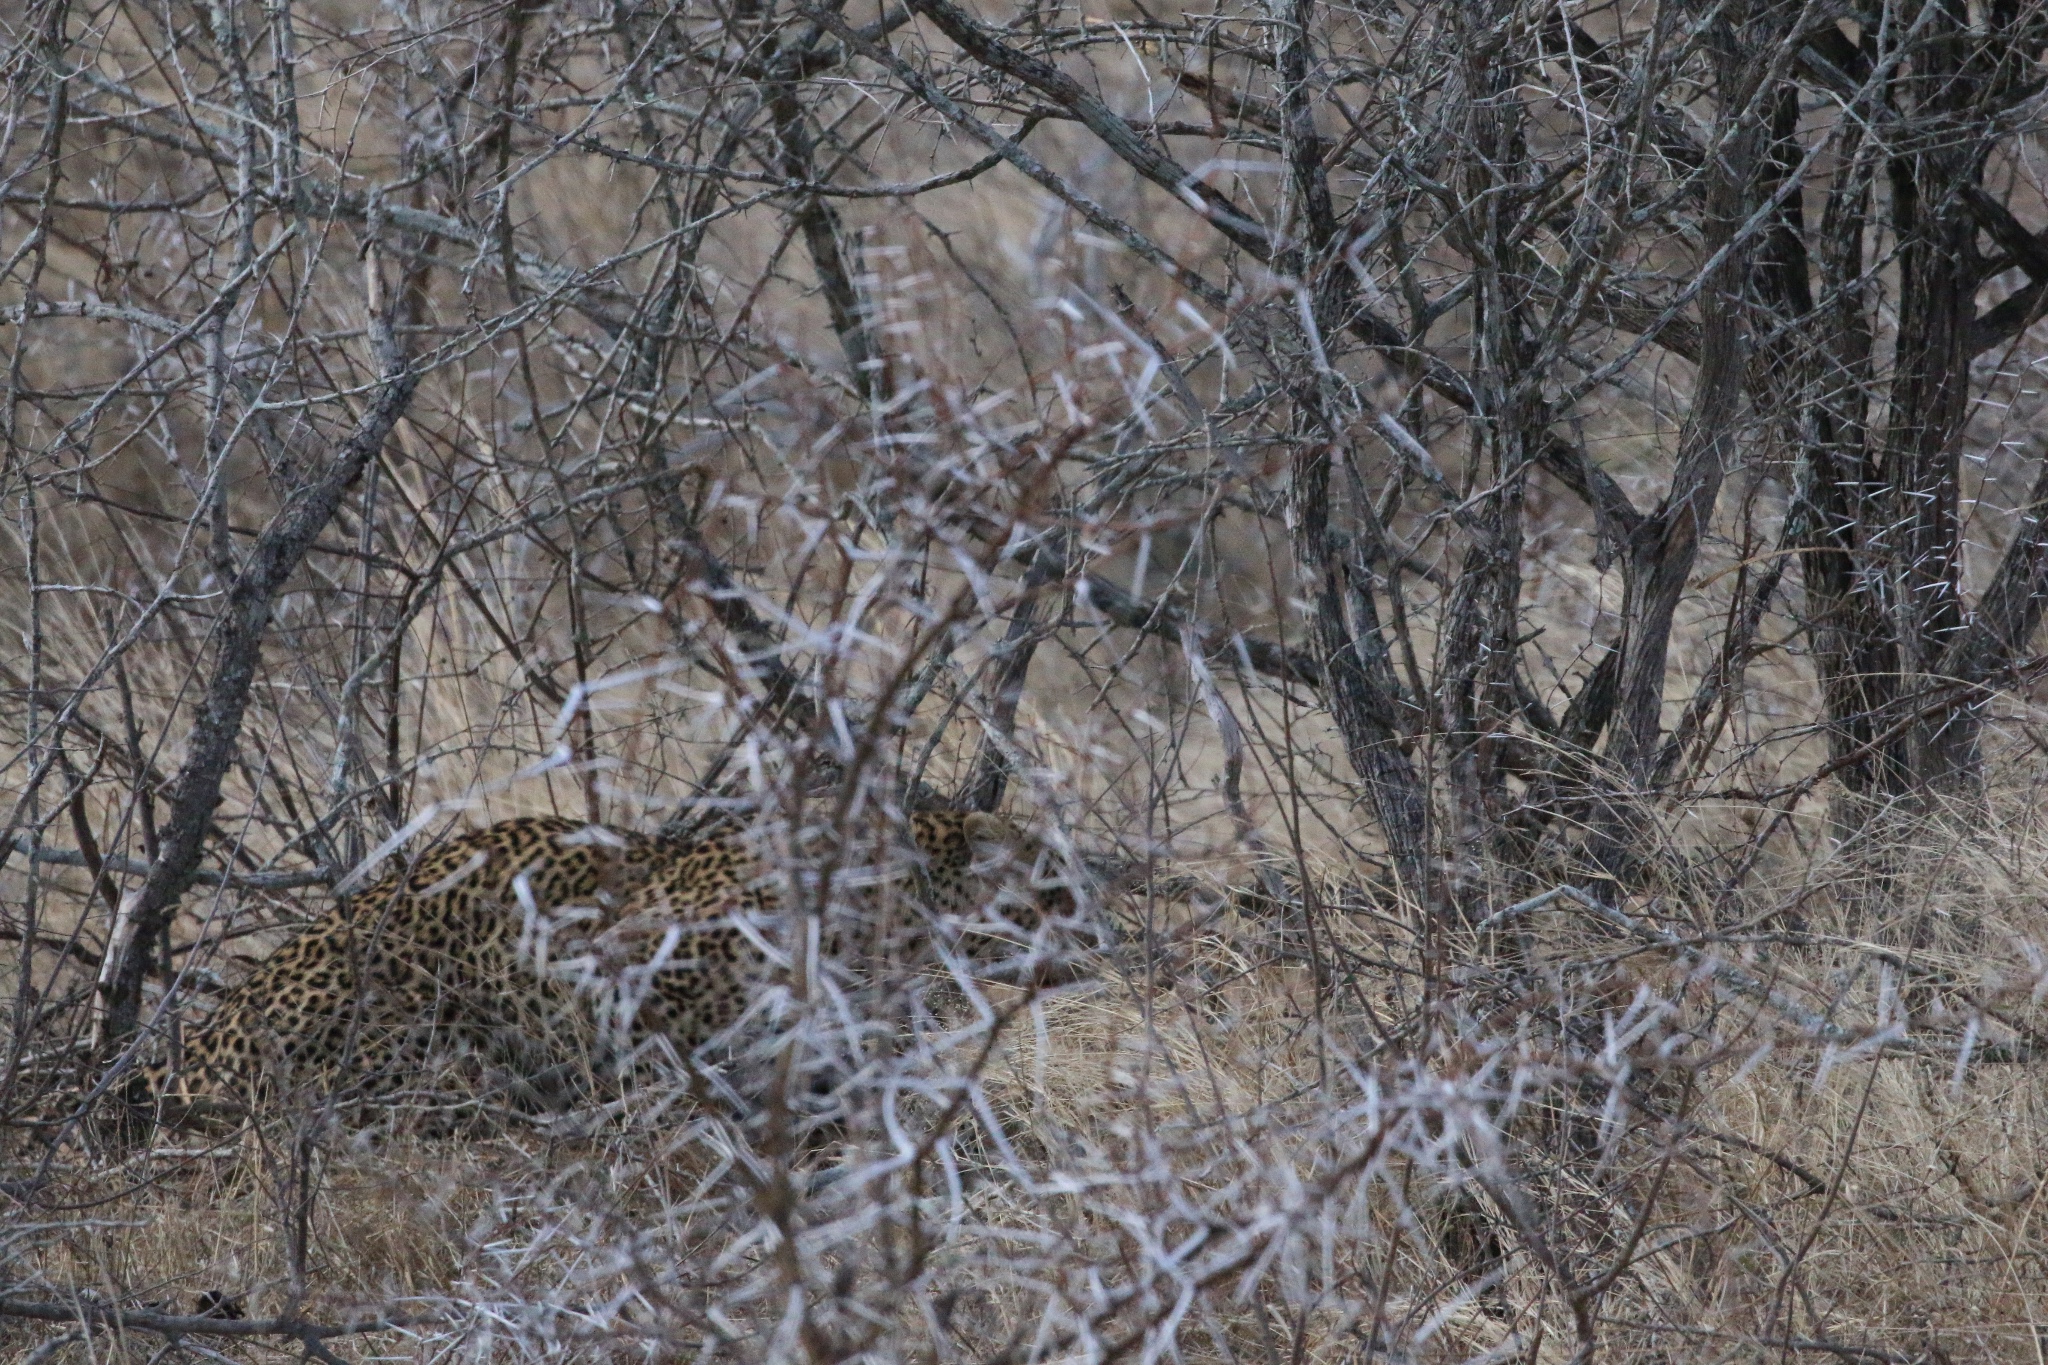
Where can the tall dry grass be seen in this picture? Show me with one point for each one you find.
(1270, 1109)
(1242, 1133)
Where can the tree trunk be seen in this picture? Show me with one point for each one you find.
(245, 620)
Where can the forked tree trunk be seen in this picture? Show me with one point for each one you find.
(1877, 516)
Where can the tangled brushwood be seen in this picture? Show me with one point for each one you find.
(891, 682)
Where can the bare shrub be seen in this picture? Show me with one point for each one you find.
(1494, 549)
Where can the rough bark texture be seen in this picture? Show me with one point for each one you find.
(212, 745)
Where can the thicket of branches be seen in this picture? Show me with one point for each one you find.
(1335, 472)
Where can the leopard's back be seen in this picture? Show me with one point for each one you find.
(688, 952)
(427, 957)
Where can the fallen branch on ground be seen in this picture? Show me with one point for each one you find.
(1890, 1039)
(172, 1326)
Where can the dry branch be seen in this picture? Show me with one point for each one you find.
(210, 748)
(201, 876)
(1888, 1040)
(173, 1326)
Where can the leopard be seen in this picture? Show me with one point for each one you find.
(686, 955)
(424, 962)
(555, 949)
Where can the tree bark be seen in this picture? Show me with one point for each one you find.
(1878, 520)
(991, 773)
(245, 618)
(1663, 549)
(1359, 682)
(1919, 542)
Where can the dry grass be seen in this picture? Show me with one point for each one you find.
(1784, 1190)
(1283, 1118)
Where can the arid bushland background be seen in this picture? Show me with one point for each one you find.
(1498, 543)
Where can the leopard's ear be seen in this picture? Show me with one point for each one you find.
(984, 830)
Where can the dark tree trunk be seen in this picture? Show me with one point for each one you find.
(1477, 702)
(244, 623)
(1876, 517)
(1359, 683)
(1662, 550)
(1919, 543)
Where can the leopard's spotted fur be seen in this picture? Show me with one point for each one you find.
(426, 960)
(683, 955)
(635, 937)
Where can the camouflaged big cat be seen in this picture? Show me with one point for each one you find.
(542, 944)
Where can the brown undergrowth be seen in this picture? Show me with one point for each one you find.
(1252, 1125)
